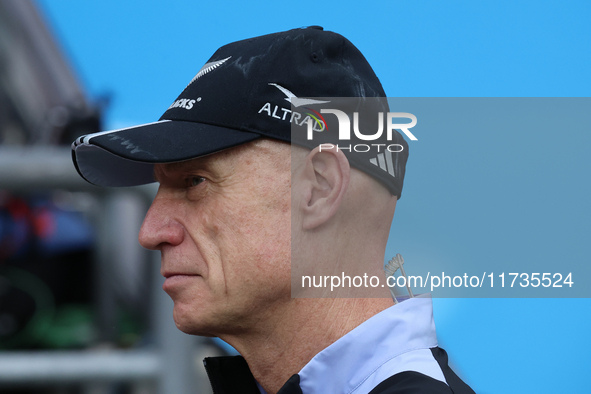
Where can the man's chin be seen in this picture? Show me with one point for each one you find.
(191, 324)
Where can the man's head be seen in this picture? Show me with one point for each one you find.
(232, 189)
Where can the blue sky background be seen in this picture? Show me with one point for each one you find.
(143, 53)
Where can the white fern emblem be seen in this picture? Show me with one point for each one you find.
(207, 67)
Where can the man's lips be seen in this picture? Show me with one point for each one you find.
(169, 273)
(175, 280)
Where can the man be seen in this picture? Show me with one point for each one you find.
(239, 210)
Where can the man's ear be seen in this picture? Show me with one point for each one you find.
(327, 173)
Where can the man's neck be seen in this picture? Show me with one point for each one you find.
(298, 333)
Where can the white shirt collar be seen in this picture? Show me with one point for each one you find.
(376, 350)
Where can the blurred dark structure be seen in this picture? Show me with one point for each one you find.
(81, 304)
(41, 101)
(45, 248)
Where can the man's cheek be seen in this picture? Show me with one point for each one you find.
(209, 220)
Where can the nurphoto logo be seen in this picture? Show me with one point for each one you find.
(345, 125)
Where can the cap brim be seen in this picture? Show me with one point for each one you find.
(126, 157)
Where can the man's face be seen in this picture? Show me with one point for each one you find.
(222, 224)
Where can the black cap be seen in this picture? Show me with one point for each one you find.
(221, 107)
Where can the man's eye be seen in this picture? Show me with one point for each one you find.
(194, 181)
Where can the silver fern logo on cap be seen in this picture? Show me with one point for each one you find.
(208, 67)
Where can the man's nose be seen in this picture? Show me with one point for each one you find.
(160, 226)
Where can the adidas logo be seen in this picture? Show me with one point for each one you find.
(384, 161)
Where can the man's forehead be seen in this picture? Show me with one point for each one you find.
(204, 161)
(261, 151)
(215, 161)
